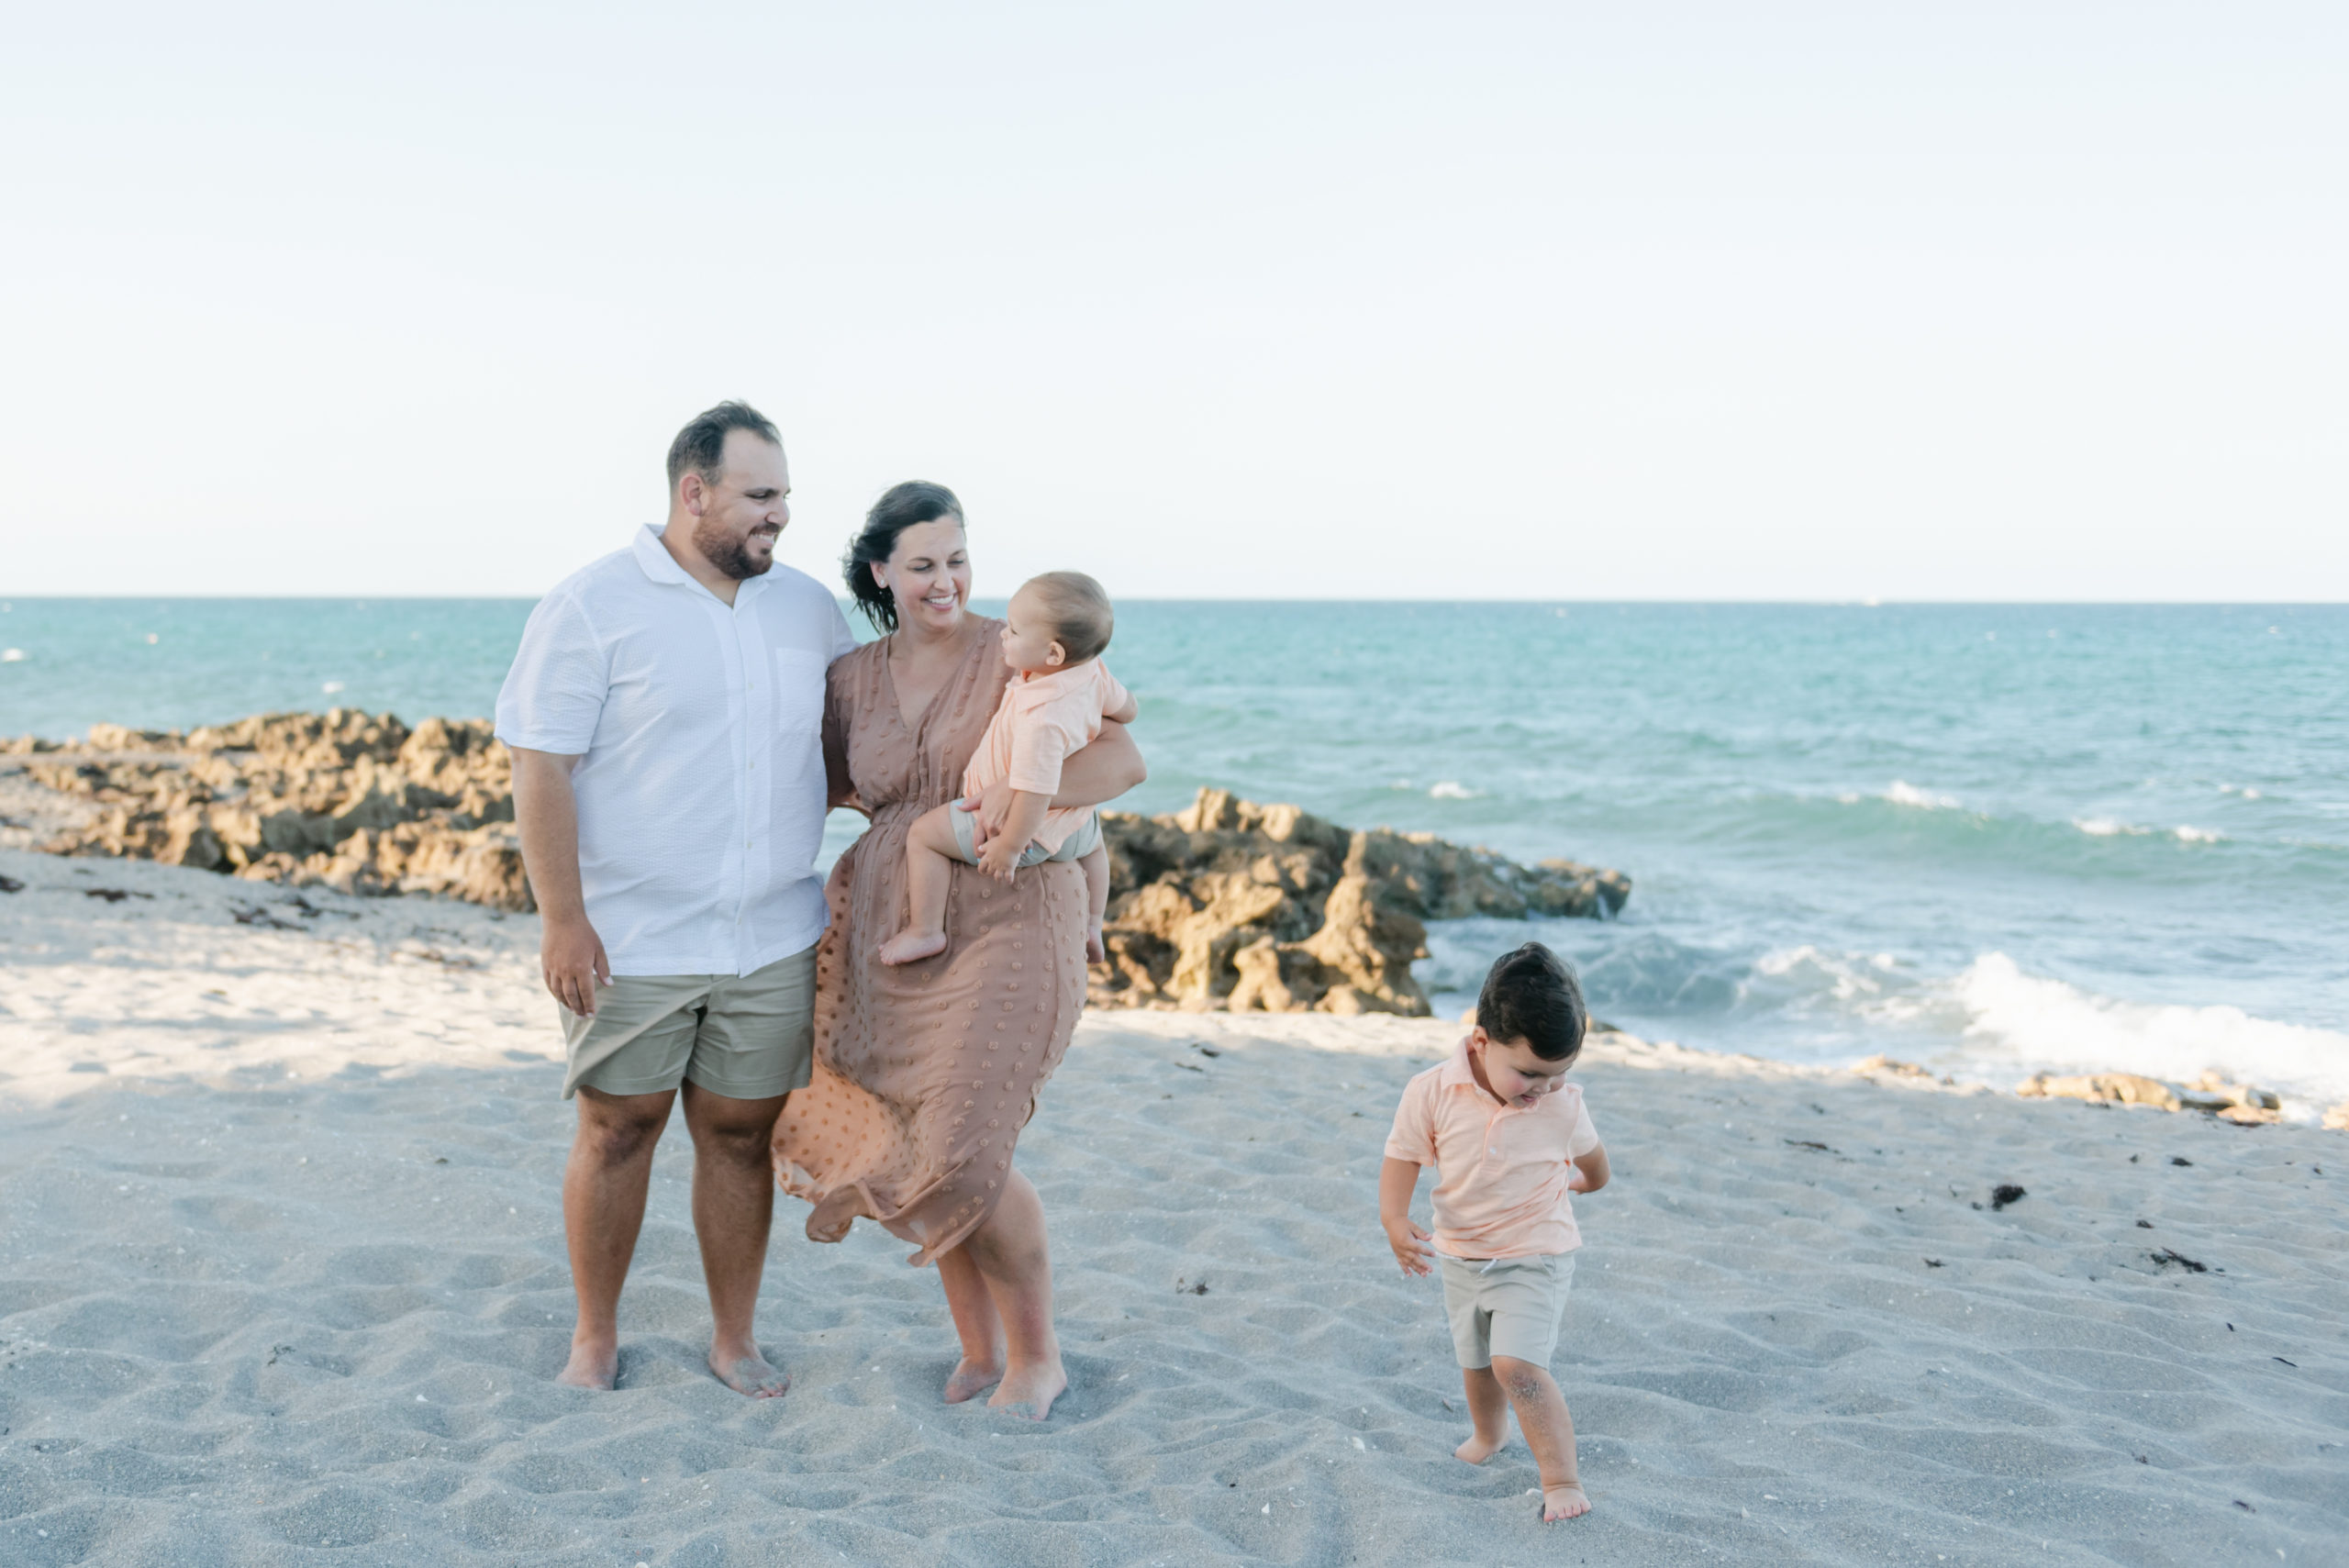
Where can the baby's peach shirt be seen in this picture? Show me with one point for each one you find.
(1039, 721)
(1500, 1188)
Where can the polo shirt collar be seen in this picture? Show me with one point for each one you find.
(1458, 1073)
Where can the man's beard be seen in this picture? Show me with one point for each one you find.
(731, 556)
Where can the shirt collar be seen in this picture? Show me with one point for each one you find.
(653, 559)
(1458, 1073)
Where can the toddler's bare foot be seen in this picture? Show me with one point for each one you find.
(593, 1364)
(1095, 950)
(908, 946)
(971, 1378)
(1030, 1391)
(1565, 1502)
(749, 1373)
(1476, 1450)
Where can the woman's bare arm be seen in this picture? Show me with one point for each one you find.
(1103, 771)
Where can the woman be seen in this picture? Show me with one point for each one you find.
(926, 1073)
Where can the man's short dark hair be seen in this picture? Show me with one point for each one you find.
(1531, 995)
(700, 447)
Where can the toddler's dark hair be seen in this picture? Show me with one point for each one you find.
(1531, 995)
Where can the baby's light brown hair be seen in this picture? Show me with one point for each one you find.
(1078, 610)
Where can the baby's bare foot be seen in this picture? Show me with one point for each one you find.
(749, 1373)
(1476, 1450)
(1095, 950)
(971, 1378)
(908, 946)
(593, 1364)
(1565, 1502)
(1030, 1391)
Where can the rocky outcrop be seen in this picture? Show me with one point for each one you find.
(1230, 906)
(355, 801)
(2238, 1102)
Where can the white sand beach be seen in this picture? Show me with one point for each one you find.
(282, 1281)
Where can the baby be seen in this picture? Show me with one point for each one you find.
(1054, 635)
(1510, 1138)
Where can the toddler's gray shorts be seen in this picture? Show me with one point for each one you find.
(1506, 1307)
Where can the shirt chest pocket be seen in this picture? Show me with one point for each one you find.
(798, 690)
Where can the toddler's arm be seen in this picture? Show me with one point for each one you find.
(1590, 1172)
(1397, 1179)
(1125, 712)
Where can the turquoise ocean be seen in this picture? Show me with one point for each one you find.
(1991, 838)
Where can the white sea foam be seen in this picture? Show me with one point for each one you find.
(331, 687)
(1449, 789)
(11, 655)
(2106, 828)
(2021, 1023)
(2197, 835)
(1903, 793)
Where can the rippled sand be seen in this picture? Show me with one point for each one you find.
(282, 1281)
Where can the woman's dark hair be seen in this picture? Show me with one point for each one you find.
(915, 501)
(1530, 995)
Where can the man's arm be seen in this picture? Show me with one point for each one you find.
(570, 956)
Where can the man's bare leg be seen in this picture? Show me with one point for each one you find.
(976, 1324)
(604, 1187)
(1549, 1434)
(1096, 864)
(1488, 1414)
(930, 855)
(1013, 1256)
(733, 1203)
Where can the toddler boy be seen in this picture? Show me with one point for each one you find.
(1510, 1140)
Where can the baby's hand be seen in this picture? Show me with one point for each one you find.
(1411, 1246)
(1000, 858)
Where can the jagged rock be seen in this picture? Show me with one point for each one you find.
(2103, 1088)
(2212, 1093)
(1229, 904)
(355, 801)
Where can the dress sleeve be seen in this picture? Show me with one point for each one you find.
(554, 694)
(1412, 1138)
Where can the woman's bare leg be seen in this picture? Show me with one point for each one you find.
(1014, 1257)
(976, 1324)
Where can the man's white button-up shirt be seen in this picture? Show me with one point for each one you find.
(699, 733)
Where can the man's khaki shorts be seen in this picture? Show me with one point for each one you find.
(749, 1038)
(1506, 1307)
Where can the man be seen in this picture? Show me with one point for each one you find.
(665, 713)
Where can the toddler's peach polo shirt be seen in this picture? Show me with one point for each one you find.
(1041, 719)
(1500, 1188)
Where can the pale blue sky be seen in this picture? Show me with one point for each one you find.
(1570, 301)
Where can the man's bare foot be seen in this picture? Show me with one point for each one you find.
(908, 946)
(750, 1374)
(1095, 950)
(592, 1365)
(1030, 1391)
(970, 1379)
(1565, 1502)
(1476, 1450)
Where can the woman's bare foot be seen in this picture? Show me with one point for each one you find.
(1095, 950)
(971, 1378)
(1565, 1502)
(749, 1373)
(593, 1364)
(910, 946)
(1477, 1450)
(1030, 1391)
